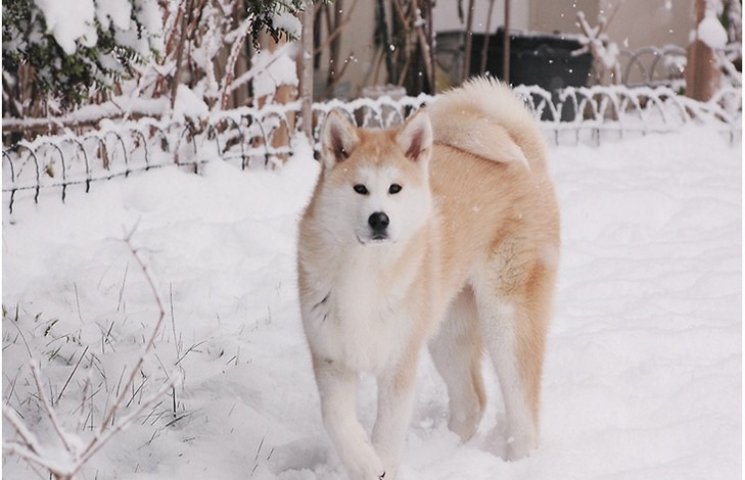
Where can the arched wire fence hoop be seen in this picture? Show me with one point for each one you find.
(222, 125)
(121, 142)
(653, 66)
(7, 158)
(187, 136)
(78, 143)
(140, 137)
(258, 138)
(63, 168)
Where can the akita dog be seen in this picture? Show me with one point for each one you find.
(444, 231)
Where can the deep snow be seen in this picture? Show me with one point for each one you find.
(643, 368)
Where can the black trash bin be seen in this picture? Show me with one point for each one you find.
(543, 60)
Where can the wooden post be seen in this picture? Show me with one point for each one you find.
(506, 44)
(702, 72)
(469, 40)
(487, 33)
(431, 41)
(305, 62)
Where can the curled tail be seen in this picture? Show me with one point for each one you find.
(485, 118)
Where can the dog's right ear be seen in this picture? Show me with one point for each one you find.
(338, 139)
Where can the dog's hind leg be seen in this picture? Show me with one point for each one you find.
(457, 352)
(514, 306)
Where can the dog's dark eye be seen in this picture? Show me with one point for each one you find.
(361, 189)
(394, 188)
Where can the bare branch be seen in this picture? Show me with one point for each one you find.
(248, 75)
(337, 30)
(241, 34)
(100, 440)
(69, 465)
(24, 433)
(46, 403)
(57, 470)
(150, 341)
(71, 374)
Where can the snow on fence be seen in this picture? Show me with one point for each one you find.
(653, 66)
(258, 138)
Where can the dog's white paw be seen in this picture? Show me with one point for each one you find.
(390, 464)
(519, 447)
(367, 469)
(465, 423)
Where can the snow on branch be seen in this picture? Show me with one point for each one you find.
(65, 463)
(595, 40)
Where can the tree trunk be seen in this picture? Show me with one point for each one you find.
(186, 12)
(305, 63)
(702, 70)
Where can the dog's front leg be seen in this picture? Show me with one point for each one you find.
(395, 400)
(337, 387)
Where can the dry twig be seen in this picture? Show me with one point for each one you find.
(77, 452)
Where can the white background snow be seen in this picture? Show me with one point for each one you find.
(643, 369)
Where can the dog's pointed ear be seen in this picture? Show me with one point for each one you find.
(338, 139)
(415, 137)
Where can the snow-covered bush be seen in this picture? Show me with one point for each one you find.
(276, 16)
(69, 49)
(209, 52)
(61, 55)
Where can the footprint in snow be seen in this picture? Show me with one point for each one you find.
(299, 459)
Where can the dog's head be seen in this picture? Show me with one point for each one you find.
(375, 182)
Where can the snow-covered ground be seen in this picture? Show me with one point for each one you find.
(643, 370)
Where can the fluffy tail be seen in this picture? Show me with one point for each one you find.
(485, 118)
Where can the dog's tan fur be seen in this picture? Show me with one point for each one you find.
(481, 267)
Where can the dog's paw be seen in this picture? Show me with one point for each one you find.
(389, 460)
(519, 447)
(367, 469)
(388, 474)
(464, 424)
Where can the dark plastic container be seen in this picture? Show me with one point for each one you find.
(543, 60)
(535, 59)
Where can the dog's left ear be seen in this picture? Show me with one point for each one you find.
(415, 137)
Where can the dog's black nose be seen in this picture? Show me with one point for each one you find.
(378, 221)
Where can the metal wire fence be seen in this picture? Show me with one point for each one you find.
(252, 138)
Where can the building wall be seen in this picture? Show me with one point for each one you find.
(357, 50)
(641, 23)
(635, 24)
(357, 46)
(445, 15)
(632, 23)
(560, 16)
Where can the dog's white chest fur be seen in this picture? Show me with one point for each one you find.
(361, 323)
